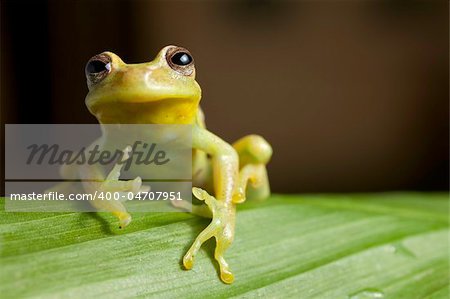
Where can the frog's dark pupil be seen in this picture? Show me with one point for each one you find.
(95, 66)
(181, 58)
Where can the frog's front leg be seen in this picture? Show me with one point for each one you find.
(111, 184)
(221, 227)
(225, 169)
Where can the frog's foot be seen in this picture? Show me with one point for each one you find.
(255, 176)
(116, 207)
(221, 227)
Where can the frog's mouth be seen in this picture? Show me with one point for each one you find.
(162, 111)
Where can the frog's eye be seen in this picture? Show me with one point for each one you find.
(97, 68)
(180, 60)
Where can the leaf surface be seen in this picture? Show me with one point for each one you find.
(388, 245)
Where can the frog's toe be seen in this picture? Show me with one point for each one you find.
(124, 219)
(206, 234)
(124, 223)
(223, 241)
(226, 276)
(239, 197)
(188, 261)
(145, 189)
(135, 185)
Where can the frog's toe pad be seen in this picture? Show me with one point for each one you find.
(188, 261)
(200, 193)
(226, 276)
(136, 185)
(124, 220)
(239, 197)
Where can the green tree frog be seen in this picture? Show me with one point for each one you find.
(164, 91)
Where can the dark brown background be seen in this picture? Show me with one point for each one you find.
(353, 95)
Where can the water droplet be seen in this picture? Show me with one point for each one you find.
(367, 294)
(400, 248)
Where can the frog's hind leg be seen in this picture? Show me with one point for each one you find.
(254, 153)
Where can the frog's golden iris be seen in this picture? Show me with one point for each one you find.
(164, 91)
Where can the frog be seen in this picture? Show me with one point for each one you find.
(165, 91)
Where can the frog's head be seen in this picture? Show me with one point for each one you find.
(161, 91)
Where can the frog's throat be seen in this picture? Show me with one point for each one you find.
(168, 111)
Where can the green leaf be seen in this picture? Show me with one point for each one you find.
(392, 245)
